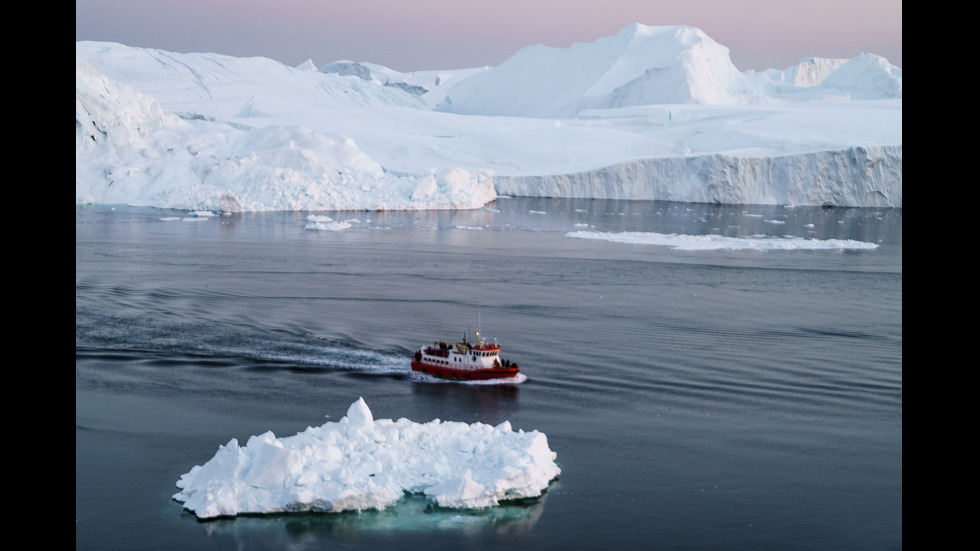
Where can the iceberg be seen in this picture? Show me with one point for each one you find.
(361, 463)
(652, 113)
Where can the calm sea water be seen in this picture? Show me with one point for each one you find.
(696, 399)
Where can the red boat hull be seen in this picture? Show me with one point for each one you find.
(443, 372)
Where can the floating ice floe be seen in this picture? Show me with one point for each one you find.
(360, 463)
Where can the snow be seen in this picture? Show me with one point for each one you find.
(362, 463)
(652, 113)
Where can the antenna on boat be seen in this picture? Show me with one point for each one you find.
(478, 339)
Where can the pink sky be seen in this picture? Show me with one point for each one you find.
(411, 35)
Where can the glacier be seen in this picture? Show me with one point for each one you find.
(652, 113)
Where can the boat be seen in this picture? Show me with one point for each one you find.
(464, 361)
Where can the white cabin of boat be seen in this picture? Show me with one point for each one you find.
(463, 354)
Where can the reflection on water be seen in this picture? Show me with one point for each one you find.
(413, 514)
(490, 404)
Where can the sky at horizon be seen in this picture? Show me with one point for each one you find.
(450, 34)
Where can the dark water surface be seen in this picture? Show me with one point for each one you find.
(696, 399)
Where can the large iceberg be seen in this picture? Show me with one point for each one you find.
(652, 113)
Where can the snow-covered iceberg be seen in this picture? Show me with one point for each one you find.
(361, 463)
(652, 113)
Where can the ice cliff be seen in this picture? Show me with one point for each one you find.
(650, 113)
